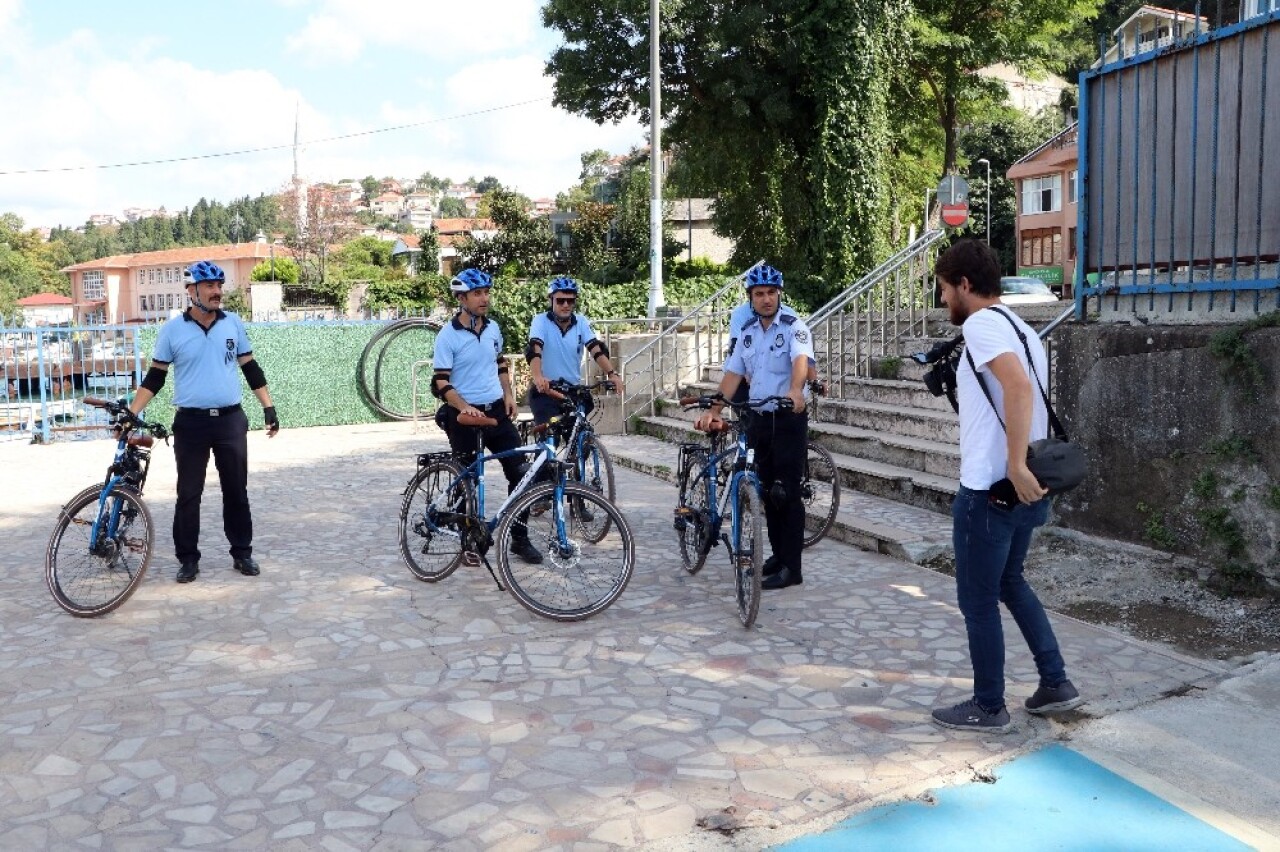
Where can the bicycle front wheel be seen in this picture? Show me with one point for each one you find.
(748, 552)
(431, 528)
(595, 471)
(820, 491)
(693, 514)
(89, 578)
(578, 577)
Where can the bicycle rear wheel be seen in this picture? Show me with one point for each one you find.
(87, 578)
(578, 576)
(431, 528)
(820, 491)
(748, 552)
(595, 471)
(693, 519)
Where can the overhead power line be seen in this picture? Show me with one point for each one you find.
(244, 151)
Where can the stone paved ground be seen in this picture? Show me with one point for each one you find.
(335, 702)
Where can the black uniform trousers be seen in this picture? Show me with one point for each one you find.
(780, 439)
(196, 433)
(497, 439)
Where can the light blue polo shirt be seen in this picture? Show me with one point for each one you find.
(471, 360)
(764, 356)
(562, 349)
(204, 362)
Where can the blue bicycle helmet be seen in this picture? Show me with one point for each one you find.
(562, 285)
(203, 271)
(763, 275)
(471, 279)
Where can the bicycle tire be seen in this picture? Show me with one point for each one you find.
(87, 584)
(596, 474)
(577, 578)
(370, 364)
(432, 555)
(820, 491)
(748, 552)
(695, 496)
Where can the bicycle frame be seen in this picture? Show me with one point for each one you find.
(726, 504)
(117, 474)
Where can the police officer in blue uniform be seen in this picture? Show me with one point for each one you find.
(774, 354)
(472, 377)
(205, 346)
(557, 340)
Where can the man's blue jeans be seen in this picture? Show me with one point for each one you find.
(991, 545)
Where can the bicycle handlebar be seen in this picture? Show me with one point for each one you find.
(784, 402)
(119, 409)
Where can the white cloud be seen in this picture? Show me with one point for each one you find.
(344, 29)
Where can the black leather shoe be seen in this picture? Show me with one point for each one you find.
(247, 566)
(785, 577)
(188, 572)
(524, 548)
(772, 566)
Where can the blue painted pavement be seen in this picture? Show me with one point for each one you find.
(1051, 799)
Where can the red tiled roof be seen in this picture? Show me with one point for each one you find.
(459, 226)
(191, 254)
(44, 300)
(410, 240)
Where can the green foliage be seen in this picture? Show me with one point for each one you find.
(1206, 485)
(1240, 365)
(777, 109)
(1233, 448)
(1272, 500)
(453, 208)
(1156, 531)
(283, 269)
(1220, 526)
(522, 245)
(236, 302)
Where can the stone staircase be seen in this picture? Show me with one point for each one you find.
(895, 445)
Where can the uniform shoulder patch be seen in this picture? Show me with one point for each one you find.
(787, 319)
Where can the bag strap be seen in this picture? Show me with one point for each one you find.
(1054, 423)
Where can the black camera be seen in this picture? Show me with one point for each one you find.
(941, 377)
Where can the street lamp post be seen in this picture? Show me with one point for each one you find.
(987, 163)
(927, 192)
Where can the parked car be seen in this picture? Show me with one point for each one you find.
(1024, 290)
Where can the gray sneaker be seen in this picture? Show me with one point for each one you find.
(972, 716)
(1054, 699)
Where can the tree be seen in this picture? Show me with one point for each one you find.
(285, 270)
(522, 246)
(370, 187)
(429, 243)
(953, 39)
(314, 223)
(777, 108)
(488, 184)
(452, 208)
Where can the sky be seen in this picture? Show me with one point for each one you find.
(92, 84)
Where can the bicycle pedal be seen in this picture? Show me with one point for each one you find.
(471, 559)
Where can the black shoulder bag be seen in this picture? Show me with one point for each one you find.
(1058, 464)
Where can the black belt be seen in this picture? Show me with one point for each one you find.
(211, 412)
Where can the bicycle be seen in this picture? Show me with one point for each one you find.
(104, 538)
(574, 437)
(443, 524)
(820, 487)
(707, 497)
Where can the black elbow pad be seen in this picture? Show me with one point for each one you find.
(733, 341)
(253, 374)
(154, 380)
(532, 349)
(597, 348)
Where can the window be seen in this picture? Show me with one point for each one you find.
(1041, 247)
(1042, 194)
(1071, 244)
(91, 284)
(142, 304)
(1073, 186)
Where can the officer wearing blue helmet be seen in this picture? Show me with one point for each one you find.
(774, 354)
(472, 377)
(204, 346)
(557, 341)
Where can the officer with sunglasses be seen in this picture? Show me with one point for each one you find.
(557, 340)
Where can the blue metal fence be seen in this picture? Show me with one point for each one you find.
(1179, 159)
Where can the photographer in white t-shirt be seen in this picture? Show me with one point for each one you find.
(1000, 503)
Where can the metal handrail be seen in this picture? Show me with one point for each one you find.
(924, 241)
(706, 315)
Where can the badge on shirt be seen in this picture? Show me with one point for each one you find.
(802, 336)
(231, 351)
(746, 342)
(777, 341)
